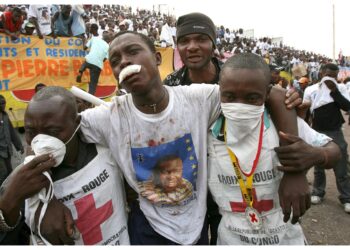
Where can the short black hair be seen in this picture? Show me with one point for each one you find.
(330, 66)
(247, 61)
(39, 86)
(51, 91)
(143, 37)
(94, 26)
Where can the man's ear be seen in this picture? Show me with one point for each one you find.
(158, 58)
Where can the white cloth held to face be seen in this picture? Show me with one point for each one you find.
(242, 131)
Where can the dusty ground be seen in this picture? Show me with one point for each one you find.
(324, 224)
(327, 223)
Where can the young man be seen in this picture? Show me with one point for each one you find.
(11, 23)
(242, 169)
(94, 60)
(86, 180)
(144, 125)
(195, 36)
(327, 99)
(40, 16)
(62, 22)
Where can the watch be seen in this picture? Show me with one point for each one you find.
(3, 225)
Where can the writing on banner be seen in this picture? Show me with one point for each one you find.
(30, 60)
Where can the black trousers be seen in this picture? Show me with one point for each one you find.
(5, 168)
(142, 233)
(94, 75)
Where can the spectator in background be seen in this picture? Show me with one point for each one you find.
(62, 22)
(39, 15)
(327, 99)
(167, 34)
(78, 23)
(11, 23)
(8, 136)
(94, 59)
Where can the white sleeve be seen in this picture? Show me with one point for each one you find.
(95, 125)
(307, 95)
(78, 8)
(343, 90)
(210, 95)
(311, 136)
(32, 11)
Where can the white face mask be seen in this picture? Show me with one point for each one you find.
(44, 144)
(242, 112)
(241, 119)
(242, 124)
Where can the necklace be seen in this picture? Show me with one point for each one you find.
(154, 105)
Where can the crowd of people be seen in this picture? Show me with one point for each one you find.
(76, 20)
(227, 157)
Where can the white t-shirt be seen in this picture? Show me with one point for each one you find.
(234, 229)
(139, 141)
(95, 196)
(319, 95)
(43, 16)
(98, 51)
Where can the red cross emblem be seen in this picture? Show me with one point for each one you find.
(260, 206)
(253, 217)
(90, 218)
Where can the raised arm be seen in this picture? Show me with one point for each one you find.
(294, 193)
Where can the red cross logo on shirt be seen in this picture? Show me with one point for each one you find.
(90, 218)
(253, 217)
(260, 206)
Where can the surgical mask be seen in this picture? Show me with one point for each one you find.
(46, 144)
(242, 125)
(241, 119)
(241, 111)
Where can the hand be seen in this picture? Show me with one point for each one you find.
(331, 85)
(294, 195)
(27, 180)
(292, 99)
(302, 109)
(24, 182)
(57, 225)
(297, 156)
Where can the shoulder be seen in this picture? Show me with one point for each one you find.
(175, 78)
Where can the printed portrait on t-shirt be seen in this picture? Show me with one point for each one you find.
(167, 172)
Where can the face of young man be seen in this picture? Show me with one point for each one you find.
(51, 117)
(129, 49)
(196, 50)
(247, 86)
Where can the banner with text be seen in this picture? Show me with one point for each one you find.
(30, 60)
